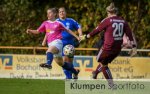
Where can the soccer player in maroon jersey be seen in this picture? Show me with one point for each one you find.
(115, 27)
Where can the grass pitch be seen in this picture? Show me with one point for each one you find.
(32, 86)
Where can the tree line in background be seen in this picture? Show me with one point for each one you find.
(18, 15)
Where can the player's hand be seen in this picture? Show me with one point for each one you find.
(27, 31)
(43, 43)
(83, 37)
(133, 52)
(78, 38)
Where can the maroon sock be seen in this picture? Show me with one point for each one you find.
(107, 75)
(106, 72)
(98, 69)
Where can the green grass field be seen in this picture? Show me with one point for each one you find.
(47, 86)
(31, 86)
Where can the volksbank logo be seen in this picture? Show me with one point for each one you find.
(6, 62)
(84, 63)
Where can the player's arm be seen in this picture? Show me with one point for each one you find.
(97, 30)
(80, 31)
(129, 33)
(77, 26)
(72, 33)
(40, 29)
(44, 41)
(32, 31)
(131, 38)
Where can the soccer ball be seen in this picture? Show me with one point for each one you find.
(69, 50)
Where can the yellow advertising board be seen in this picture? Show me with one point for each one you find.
(27, 66)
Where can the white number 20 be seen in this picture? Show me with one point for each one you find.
(118, 29)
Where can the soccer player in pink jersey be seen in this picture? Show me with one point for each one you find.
(115, 27)
(67, 38)
(53, 30)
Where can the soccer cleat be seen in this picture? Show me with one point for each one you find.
(45, 65)
(112, 86)
(75, 76)
(94, 75)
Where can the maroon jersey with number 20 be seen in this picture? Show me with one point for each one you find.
(114, 28)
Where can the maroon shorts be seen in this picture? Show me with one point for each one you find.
(106, 57)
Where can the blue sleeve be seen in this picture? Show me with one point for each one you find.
(76, 25)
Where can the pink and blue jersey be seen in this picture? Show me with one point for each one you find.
(53, 30)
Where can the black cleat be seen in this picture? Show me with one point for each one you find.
(94, 75)
(75, 76)
(45, 65)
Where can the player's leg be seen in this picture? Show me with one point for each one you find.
(105, 69)
(68, 60)
(70, 67)
(49, 57)
(107, 74)
(52, 49)
(99, 67)
(97, 71)
(67, 73)
(104, 58)
(67, 66)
